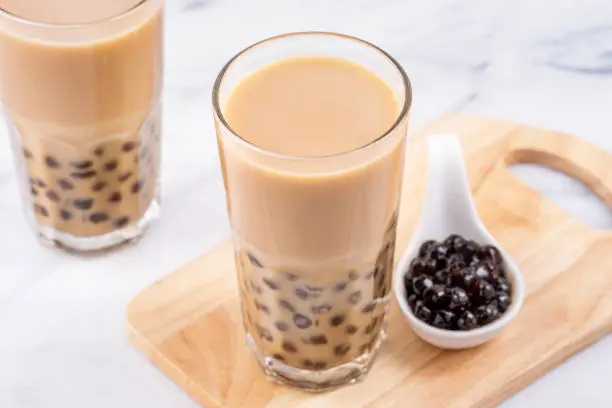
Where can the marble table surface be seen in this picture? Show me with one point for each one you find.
(546, 63)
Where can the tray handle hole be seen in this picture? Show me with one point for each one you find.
(569, 193)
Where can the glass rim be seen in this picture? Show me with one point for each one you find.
(30, 22)
(403, 113)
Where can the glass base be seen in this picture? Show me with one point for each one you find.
(317, 381)
(74, 244)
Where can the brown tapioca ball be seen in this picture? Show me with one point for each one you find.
(65, 184)
(286, 305)
(83, 175)
(27, 154)
(41, 210)
(301, 321)
(370, 327)
(34, 191)
(354, 297)
(111, 165)
(369, 308)
(52, 162)
(307, 364)
(282, 326)
(99, 151)
(98, 217)
(353, 275)
(98, 186)
(337, 320)
(317, 340)
(319, 365)
(136, 186)
(342, 349)
(115, 197)
(128, 147)
(83, 203)
(270, 283)
(124, 176)
(340, 286)
(364, 348)
(351, 329)
(65, 215)
(82, 164)
(122, 221)
(264, 334)
(256, 288)
(53, 196)
(40, 183)
(279, 357)
(370, 274)
(289, 347)
(254, 260)
(262, 307)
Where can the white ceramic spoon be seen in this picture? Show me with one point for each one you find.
(450, 209)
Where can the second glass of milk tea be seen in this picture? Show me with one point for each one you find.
(311, 129)
(80, 86)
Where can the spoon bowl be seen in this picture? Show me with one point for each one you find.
(449, 209)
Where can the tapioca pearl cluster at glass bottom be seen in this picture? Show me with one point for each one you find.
(458, 284)
(92, 190)
(314, 326)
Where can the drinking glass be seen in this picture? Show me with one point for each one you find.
(314, 237)
(82, 103)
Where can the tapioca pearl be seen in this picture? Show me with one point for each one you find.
(369, 307)
(52, 195)
(353, 275)
(290, 277)
(319, 365)
(264, 334)
(317, 340)
(136, 186)
(339, 287)
(98, 186)
(41, 210)
(289, 347)
(122, 221)
(260, 306)
(282, 326)
(286, 305)
(81, 164)
(351, 329)
(34, 191)
(84, 175)
(337, 320)
(98, 151)
(65, 184)
(370, 327)
(128, 147)
(27, 153)
(83, 204)
(307, 364)
(115, 197)
(111, 165)
(320, 309)
(301, 293)
(342, 349)
(40, 183)
(65, 215)
(254, 261)
(314, 288)
(364, 348)
(98, 217)
(256, 288)
(270, 283)
(123, 177)
(354, 298)
(52, 162)
(370, 274)
(279, 357)
(301, 321)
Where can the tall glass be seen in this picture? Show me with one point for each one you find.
(80, 89)
(314, 237)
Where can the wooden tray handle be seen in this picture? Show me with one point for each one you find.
(568, 154)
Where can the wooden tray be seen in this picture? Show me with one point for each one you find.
(189, 324)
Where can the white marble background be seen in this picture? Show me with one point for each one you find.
(541, 62)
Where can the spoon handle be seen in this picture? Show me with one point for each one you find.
(449, 199)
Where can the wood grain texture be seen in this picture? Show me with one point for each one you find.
(189, 324)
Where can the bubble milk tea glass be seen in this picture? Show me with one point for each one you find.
(311, 130)
(80, 85)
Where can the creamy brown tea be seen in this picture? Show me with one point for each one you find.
(315, 237)
(82, 106)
